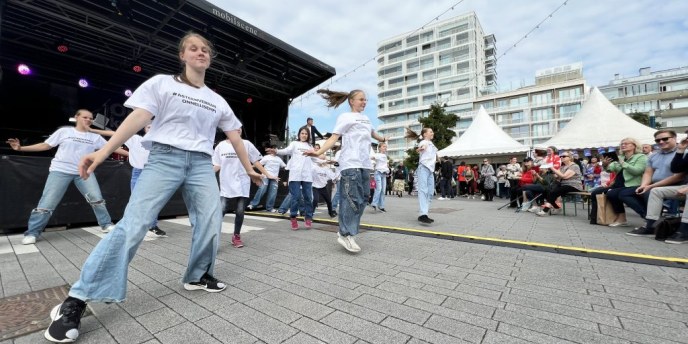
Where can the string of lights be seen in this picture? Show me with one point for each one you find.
(334, 80)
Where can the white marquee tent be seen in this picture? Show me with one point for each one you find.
(483, 138)
(599, 124)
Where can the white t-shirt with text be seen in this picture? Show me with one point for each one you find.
(234, 182)
(381, 162)
(428, 157)
(321, 175)
(73, 145)
(138, 155)
(185, 117)
(300, 166)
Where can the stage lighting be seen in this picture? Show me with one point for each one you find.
(137, 67)
(23, 69)
(127, 92)
(83, 83)
(62, 46)
(249, 100)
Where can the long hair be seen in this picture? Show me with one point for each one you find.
(336, 98)
(412, 135)
(181, 77)
(298, 136)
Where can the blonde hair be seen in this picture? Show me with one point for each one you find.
(635, 142)
(335, 98)
(181, 77)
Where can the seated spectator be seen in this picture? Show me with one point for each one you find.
(591, 176)
(632, 167)
(526, 178)
(544, 181)
(666, 189)
(569, 176)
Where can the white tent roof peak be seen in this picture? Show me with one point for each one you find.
(599, 123)
(483, 137)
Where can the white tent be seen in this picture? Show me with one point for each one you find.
(483, 138)
(599, 124)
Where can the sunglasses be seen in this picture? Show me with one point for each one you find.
(662, 139)
(564, 156)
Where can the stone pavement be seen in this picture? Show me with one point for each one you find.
(302, 287)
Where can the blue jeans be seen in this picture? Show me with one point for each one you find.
(55, 187)
(305, 190)
(271, 186)
(135, 173)
(355, 184)
(617, 197)
(104, 274)
(335, 198)
(380, 187)
(426, 188)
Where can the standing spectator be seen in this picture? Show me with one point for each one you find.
(399, 180)
(463, 184)
(312, 131)
(502, 188)
(181, 144)
(411, 182)
(445, 179)
(487, 174)
(513, 175)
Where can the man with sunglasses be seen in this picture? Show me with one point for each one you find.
(658, 173)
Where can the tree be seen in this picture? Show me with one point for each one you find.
(441, 123)
(640, 117)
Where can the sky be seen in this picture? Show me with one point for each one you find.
(607, 36)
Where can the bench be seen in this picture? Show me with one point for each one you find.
(571, 198)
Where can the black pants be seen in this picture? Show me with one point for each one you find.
(325, 193)
(239, 204)
(489, 194)
(557, 191)
(514, 192)
(593, 203)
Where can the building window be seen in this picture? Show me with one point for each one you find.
(542, 114)
(570, 93)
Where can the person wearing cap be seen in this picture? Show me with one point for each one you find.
(312, 131)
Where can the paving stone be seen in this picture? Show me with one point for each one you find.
(467, 332)
(553, 328)
(323, 332)
(636, 337)
(139, 302)
(297, 304)
(575, 312)
(420, 332)
(531, 336)
(160, 319)
(372, 332)
(224, 331)
(427, 296)
(357, 311)
(492, 337)
(184, 307)
(302, 338)
(399, 311)
(271, 309)
(484, 322)
(657, 331)
(256, 323)
(185, 333)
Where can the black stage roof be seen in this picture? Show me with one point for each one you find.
(105, 38)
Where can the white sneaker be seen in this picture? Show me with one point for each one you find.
(534, 209)
(524, 207)
(541, 213)
(108, 228)
(482, 198)
(441, 199)
(29, 240)
(354, 245)
(250, 207)
(273, 210)
(344, 241)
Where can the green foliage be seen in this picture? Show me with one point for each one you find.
(640, 117)
(441, 123)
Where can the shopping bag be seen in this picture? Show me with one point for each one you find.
(605, 212)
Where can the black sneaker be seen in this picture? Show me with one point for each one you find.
(157, 232)
(333, 214)
(677, 238)
(207, 283)
(642, 231)
(383, 210)
(424, 219)
(66, 321)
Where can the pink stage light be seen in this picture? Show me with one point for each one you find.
(23, 69)
(83, 83)
(127, 92)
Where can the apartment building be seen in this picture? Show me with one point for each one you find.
(663, 95)
(533, 114)
(451, 62)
